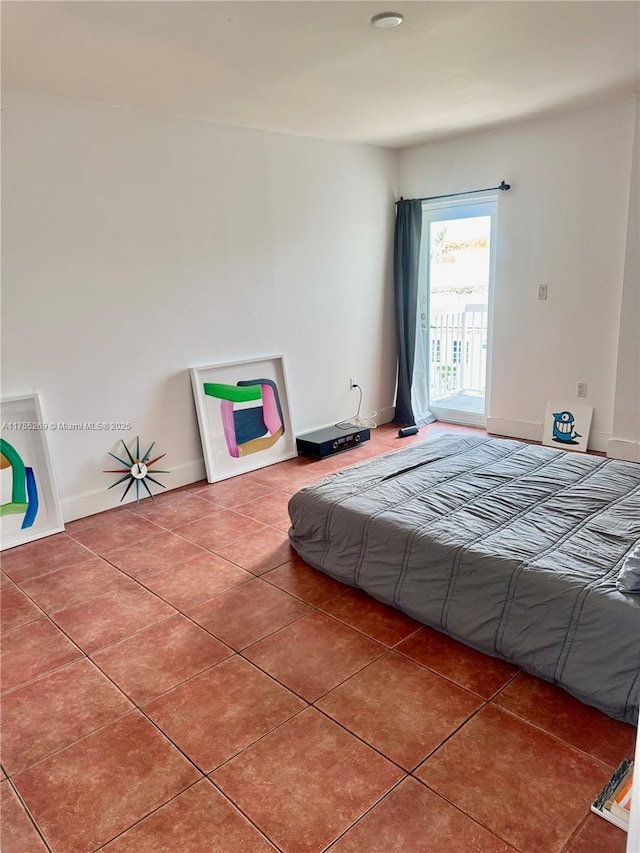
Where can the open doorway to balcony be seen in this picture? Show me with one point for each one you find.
(455, 306)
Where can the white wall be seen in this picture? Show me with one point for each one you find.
(136, 245)
(625, 442)
(563, 224)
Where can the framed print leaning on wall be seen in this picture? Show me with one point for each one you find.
(243, 415)
(567, 425)
(30, 506)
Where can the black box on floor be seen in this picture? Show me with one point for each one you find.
(324, 442)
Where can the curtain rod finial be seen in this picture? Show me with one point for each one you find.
(504, 186)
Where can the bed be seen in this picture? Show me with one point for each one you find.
(511, 548)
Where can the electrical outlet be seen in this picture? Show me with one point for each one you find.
(581, 389)
(542, 291)
(353, 383)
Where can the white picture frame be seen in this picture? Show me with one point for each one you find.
(567, 425)
(30, 507)
(243, 415)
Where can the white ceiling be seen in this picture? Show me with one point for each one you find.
(319, 69)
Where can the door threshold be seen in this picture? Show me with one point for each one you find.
(451, 416)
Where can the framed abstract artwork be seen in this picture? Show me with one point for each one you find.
(243, 415)
(567, 425)
(30, 506)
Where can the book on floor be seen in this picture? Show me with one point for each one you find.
(613, 803)
(621, 805)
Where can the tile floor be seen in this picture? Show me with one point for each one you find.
(175, 679)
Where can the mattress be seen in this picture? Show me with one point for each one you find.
(511, 548)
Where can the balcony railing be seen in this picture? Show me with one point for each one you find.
(458, 353)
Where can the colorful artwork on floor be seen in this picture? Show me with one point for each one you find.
(24, 492)
(243, 415)
(253, 429)
(29, 505)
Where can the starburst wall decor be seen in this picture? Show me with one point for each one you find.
(137, 470)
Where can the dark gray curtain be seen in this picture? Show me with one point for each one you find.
(406, 261)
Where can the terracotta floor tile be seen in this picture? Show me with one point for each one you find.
(372, 449)
(400, 708)
(412, 819)
(314, 654)
(42, 556)
(384, 624)
(323, 468)
(230, 493)
(33, 650)
(385, 432)
(196, 580)
(191, 487)
(112, 617)
(174, 509)
(247, 613)
(316, 470)
(17, 832)
(108, 530)
(16, 609)
(288, 476)
(298, 578)
(504, 773)
(597, 835)
(76, 584)
(218, 527)
(554, 710)
(386, 698)
(306, 782)
(269, 509)
(158, 658)
(215, 715)
(258, 552)
(201, 819)
(457, 662)
(347, 459)
(55, 711)
(388, 434)
(394, 442)
(390, 439)
(91, 791)
(150, 556)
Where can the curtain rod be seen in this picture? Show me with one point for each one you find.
(503, 186)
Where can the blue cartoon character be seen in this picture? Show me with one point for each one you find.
(564, 428)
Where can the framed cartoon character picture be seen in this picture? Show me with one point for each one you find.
(567, 425)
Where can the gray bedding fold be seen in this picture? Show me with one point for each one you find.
(511, 548)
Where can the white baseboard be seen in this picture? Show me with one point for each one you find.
(624, 448)
(92, 502)
(599, 441)
(470, 419)
(532, 431)
(515, 429)
(386, 415)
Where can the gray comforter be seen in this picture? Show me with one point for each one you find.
(511, 548)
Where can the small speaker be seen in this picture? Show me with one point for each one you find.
(407, 431)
